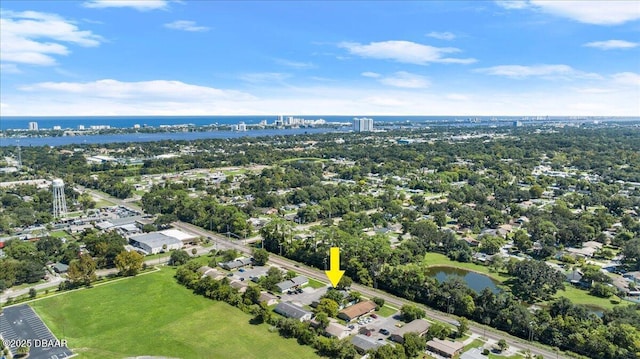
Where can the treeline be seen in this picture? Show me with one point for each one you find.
(402, 271)
(305, 332)
(205, 212)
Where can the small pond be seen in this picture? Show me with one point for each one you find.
(476, 281)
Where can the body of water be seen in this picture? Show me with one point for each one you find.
(159, 136)
(72, 122)
(476, 281)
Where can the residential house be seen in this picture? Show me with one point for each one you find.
(293, 283)
(363, 343)
(357, 310)
(445, 348)
(335, 330)
(236, 263)
(290, 310)
(419, 326)
(268, 298)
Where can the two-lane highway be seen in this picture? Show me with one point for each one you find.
(490, 333)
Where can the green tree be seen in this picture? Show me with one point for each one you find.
(438, 330)
(328, 306)
(345, 282)
(379, 302)
(414, 344)
(410, 312)
(502, 344)
(178, 257)
(323, 319)
(535, 280)
(260, 256)
(491, 244)
(129, 263)
(252, 295)
(463, 327)
(82, 271)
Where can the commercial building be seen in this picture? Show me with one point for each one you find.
(154, 242)
(362, 124)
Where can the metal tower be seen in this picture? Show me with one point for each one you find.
(59, 201)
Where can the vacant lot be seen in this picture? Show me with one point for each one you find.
(153, 315)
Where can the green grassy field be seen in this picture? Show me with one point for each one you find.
(578, 296)
(59, 234)
(387, 311)
(316, 283)
(153, 315)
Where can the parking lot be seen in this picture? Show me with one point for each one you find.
(20, 325)
(375, 324)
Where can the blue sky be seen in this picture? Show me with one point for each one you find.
(158, 57)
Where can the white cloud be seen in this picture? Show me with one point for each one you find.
(442, 35)
(543, 71)
(36, 38)
(457, 97)
(185, 25)
(627, 79)
(371, 74)
(114, 89)
(589, 12)
(295, 64)
(140, 5)
(611, 44)
(513, 4)
(405, 51)
(163, 97)
(405, 80)
(265, 77)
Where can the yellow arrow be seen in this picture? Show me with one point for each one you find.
(334, 273)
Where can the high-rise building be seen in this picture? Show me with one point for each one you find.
(33, 126)
(59, 201)
(362, 124)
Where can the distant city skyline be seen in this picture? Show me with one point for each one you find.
(157, 57)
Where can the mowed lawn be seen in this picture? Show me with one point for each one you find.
(153, 315)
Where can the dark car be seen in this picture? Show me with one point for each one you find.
(384, 331)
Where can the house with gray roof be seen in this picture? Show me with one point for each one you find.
(290, 310)
(236, 263)
(418, 326)
(292, 283)
(363, 343)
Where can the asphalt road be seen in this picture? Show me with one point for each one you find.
(490, 333)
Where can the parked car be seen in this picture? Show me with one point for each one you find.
(374, 316)
(384, 331)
